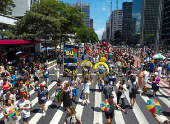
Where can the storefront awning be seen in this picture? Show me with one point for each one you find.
(17, 42)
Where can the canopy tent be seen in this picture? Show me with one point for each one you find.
(17, 42)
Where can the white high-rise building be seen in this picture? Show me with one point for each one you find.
(119, 25)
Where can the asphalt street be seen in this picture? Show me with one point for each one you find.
(92, 114)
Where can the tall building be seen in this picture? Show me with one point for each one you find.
(149, 20)
(104, 35)
(107, 31)
(166, 22)
(91, 23)
(85, 8)
(119, 20)
(126, 20)
(21, 6)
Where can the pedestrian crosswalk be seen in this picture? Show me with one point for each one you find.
(92, 114)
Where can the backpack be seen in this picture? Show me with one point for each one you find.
(134, 88)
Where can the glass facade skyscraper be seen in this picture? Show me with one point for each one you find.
(136, 21)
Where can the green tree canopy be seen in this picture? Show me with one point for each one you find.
(5, 6)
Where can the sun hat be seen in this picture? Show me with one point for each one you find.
(42, 85)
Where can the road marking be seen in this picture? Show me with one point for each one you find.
(137, 111)
(118, 114)
(160, 114)
(56, 118)
(79, 108)
(98, 119)
(35, 100)
(38, 115)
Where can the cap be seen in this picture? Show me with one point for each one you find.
(159, 64)
(111, 96)
(42, 85)
(156, 73)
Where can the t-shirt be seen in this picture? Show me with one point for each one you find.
(73, 83)
(146, 76)
(159, 71)
(11, 97)
(86, 87)
(26, 103)
(168, 67)
(46, 73)
(25, 74)
(152, 66)
(1, 84)
(13, 81)
(58, 88)
(36, 73)
(42, 94)
(56, 71)
(132, 85)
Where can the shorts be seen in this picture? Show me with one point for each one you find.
(74, 92)
(108, 116)
(25, 119)
(58, 95)
(151, 71)
(36, 79)
(155, 88)
(46, 79)
(42, 101)
(112, 79)
(132, 95)
(100, 84)
(144, 83)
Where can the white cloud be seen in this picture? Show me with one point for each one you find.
(107, 0)
(104, 9)
(98, 20)
(100, 33)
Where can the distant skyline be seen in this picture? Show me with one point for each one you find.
(99, 12)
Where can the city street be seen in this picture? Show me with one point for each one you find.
(92, 114)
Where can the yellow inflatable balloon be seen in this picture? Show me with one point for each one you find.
(102, 63)
(86, 63)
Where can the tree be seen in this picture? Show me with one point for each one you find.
(117, 35)
(5, 6)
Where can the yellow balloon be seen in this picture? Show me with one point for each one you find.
(102, 63)
(103, 59)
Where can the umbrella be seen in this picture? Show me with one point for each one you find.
(26, 83)
(19, 52)
(13, 112)
(158, 56)
(4, 54)
(153, 106)
(104, 106)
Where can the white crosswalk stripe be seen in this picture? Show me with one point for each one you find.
(98, 115)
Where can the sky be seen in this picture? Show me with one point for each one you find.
(99, 12)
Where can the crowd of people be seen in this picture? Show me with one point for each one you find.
(14, 86)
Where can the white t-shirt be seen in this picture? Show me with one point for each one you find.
(123, 91)
(56, 71)
(1, 84)
(86, 87)
(26, 103)
(159, 71)
(73, 83)
(132, 85)
(146, 76)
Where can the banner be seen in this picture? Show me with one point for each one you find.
(70, 59)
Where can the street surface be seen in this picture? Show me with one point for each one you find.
(92, 114)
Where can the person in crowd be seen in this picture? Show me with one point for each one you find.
(72, 117)
(121, 88)
(124, 67)
(57, 72)
(46, 76)
(133, 91)
(24, 106)
(1, 88)
(110, 114)
(22, 89)
(77, 79)
(86, 90)
(12, 79)
(159, 69)
(36, 76)
(9, 120)
(107, 90)
(140, 76)
(6, 85)
(7, 96)
(67, 95)
(58, 93)
(159, 120)
(74, 85)
(155, 83)
(100, 83)
(24, 75)
(42, 96)
(151, 67)
(168, 70)
(145, 80)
